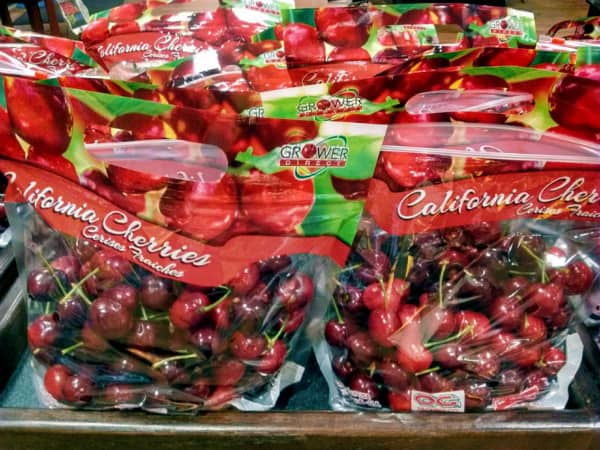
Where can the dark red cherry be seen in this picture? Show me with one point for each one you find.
(296, 291)
(247, 347)
(364, 384)
(55, 380)
(43, 332)
(273, 358)
(110, 319)
(336, 333)
(188, 310)
(156, 293)
(78, 390)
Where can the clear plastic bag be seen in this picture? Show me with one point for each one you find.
(462, 287)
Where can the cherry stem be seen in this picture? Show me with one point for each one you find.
(47, 308)
(66, 351)
(271, 340)
(426, 371)
(350, 268)
(338, 314)
(516, 272)
(409, 265)
(532, 254)
(76, 288)
(218, 302)
(53, 272)
(390, 283)
(157, 317)
(441, 285)
(162, 362)
(144, 312)
(372, 368)
(461, 333)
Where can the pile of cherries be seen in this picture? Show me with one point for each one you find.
(113, 334)
(478, 309)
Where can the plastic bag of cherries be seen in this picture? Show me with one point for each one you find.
(462, 286)
(170, 275)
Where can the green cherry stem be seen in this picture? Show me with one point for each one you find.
(426, 371)
(532, 254)
(66, 351)
(53, 272)
(162, 362)
(461, 333)
(76, 288)
(218, 302)
(144, 312)
(338, 314)
(350, 268)
(271, 340)
(441, 285)
(158, 317)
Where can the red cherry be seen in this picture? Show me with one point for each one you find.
(393, 375)
(78, 390)
(229, 372)
(553, 359)
(390, 297)
(273, 358)
(296, 291)
(346, 27)
(93, 340)
(362, 348)
(156, 293)
(547, 299)
(342, 367)
(484, 364)
(515, 285)
(277, 203)
(527, 356)
(55, 379)
(412, 355)
(450, 356)
(439, 323)
(245, 280)
(506, 345)
(478, 324)
(434, 382)
(124, 294)
(187, 310)
(382, 323)
(362, 383)
(533, 329)
(336, 333)
(39, 114)
(302, 44)
(110, 319)
(400, 401)
(580, 278)
(203, 210)
(507, 311)
(247, 347)
(43, 332)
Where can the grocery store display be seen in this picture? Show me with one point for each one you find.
(189, 189)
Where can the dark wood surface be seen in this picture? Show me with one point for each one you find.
(28, 429)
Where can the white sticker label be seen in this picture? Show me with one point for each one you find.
(453, 401)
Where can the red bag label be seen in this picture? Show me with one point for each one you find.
(511, 401)
(78, 212)
(150, 46)
(452, 401)
(40, 57)
(566, 195)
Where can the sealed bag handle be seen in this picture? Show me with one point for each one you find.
(477, 100)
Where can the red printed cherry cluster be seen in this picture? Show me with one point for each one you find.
(477, 309)
(114, 334)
